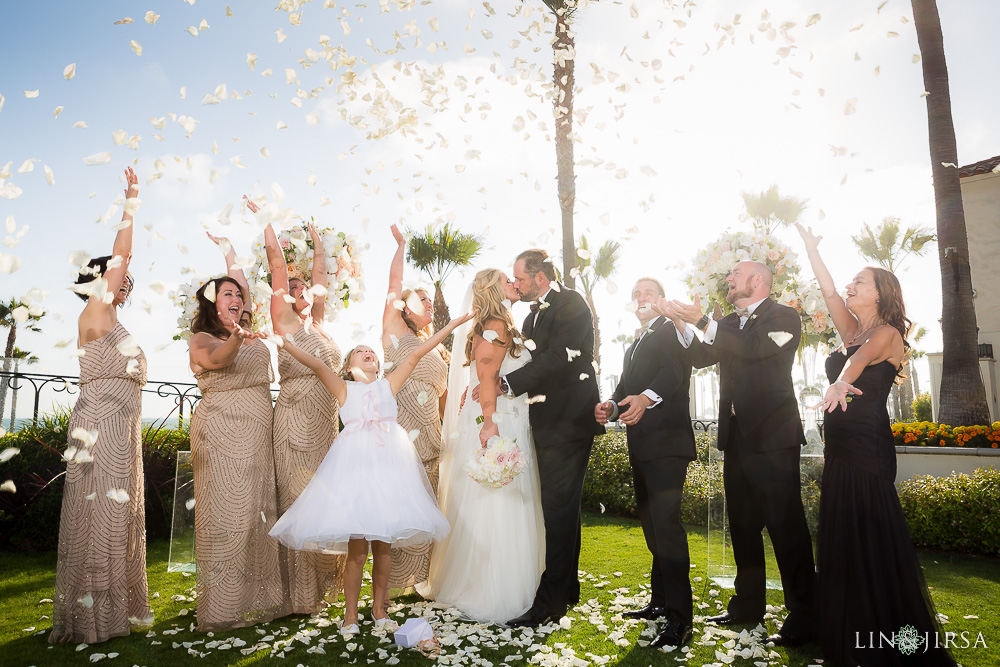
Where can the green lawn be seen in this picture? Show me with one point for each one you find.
(614, 558)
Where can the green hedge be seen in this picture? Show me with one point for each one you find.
(956, 513)
(29, 518)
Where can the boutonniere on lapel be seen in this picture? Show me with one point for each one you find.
(542, 305)
(753, 317)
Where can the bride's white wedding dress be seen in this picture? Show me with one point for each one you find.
(490, 564)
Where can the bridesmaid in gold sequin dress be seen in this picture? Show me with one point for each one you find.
(101, 585)
(420, 399)
(238, 574)
(305, 416)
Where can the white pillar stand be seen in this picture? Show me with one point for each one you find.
(181, 558)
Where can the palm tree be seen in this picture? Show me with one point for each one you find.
(963, 397)
(592, 269)
(18, 355)
(769, 210)
(12, 314)
(884, 246)
(563, 80)
(437, 252)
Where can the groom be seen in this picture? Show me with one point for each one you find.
(560, 380)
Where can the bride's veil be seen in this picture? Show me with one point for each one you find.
(458, 382)
(458, 376)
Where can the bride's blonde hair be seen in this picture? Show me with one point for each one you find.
(487, 301)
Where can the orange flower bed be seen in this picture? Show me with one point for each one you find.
(929, 434)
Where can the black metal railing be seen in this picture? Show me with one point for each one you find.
(185, 395)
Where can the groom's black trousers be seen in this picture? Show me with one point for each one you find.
(561, 469)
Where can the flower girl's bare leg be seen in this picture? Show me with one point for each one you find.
(357, 554)
(381, 564)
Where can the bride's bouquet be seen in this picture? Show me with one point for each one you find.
(498, 464)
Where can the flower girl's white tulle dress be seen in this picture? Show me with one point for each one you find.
(371, 485)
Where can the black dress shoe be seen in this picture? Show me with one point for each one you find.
(535, 617)
(790, 640)
(674, 633)
(730, 619)
(649, 612)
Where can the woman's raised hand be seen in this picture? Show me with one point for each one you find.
(398, 235)
(132, 183)
(810, 239)
(312, 231)
(250, 205)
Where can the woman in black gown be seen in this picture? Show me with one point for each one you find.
(873, 603)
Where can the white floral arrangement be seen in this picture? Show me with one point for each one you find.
(707, 278)
(498, 464)
(184, 298)
(343, 267)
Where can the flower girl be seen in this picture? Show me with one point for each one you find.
(371, 488)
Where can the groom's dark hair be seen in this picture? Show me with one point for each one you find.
(535, 261)
(659, 285)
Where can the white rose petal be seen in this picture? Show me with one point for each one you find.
(88, 602)
(136, 46)
(421, 399)
(780, 338)
(8, 454)
(151, 17)
(489, 335)
(129, 347)
(529, 344)
(70, 71)
(9, 263)
(8, 486)
(572, 354)
(189, 504)
(412, 435)
(90, 496)
(118, 495)
(31, 94)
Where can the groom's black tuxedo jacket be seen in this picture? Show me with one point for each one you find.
(756, 376)
(564, 328)
(660, 363)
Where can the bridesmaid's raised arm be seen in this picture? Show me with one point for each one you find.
(842, 318)
(392, 317)
(318, 275)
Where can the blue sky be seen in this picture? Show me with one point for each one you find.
(675, 119)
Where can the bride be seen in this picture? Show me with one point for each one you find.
(490, 564)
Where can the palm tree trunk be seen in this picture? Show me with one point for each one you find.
(597, 334)
(7, 355)
(441, 314)
(13, 401)
(564, 55)
(963, 398)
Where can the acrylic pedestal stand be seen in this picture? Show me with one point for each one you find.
(181, 558)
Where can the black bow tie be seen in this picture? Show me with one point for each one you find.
(534, 306)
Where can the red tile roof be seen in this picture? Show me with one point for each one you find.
(981, 167)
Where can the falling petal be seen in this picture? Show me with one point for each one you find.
(210, 292)
(49, 176)
(118, 495)
(151, 17)
(189, 504)
(31, 94)
(87, 601)
(237, 161)
(136, 46)
(129, 346)
(70, 71)
(192, 31)
(489, 335)
(8, 454)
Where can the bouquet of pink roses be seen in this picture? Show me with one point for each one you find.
(498, 464)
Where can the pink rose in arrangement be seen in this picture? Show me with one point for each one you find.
(773, 254)
(285, 244)
(725, 247)
(497, 465)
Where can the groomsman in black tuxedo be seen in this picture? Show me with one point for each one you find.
(651, 399)
(560, 378)
(760, 431)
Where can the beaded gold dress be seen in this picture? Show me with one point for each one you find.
(305, 423)
(101, 568)
(418, 405)
(238, 573)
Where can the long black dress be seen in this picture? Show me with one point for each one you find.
(873, 602)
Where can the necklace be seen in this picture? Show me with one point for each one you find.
(859, 335)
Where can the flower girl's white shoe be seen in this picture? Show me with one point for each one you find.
(348, 631)
(384, 625)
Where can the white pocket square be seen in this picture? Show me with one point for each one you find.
(780, 337)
